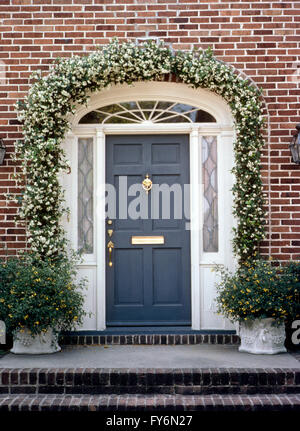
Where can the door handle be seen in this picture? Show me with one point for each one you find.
(110, 232)
(110, 247)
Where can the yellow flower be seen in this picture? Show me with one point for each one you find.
(26, 317)
(36, 323)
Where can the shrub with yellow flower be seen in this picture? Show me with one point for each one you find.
(38, 294)
(258, 289)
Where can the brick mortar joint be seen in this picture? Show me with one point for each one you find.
(162, 339)
(39, 378)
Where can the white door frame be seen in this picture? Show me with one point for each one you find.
(224, 131)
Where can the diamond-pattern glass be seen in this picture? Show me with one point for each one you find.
(210, 194)
(85, 196)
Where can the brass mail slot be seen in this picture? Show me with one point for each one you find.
(147, 240)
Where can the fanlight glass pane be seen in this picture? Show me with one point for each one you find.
(156, 111)
(85, 195)
(181, 107)
(169, 117)
(210, 194)
(147, 105)
(93, 117)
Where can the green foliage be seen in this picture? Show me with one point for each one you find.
(295, 269)
(257, 290)
(40, 293)
(51, 98)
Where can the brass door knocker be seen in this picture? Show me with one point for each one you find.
(147, 184)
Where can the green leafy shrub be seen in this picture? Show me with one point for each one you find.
(295, 269)
(258, 289)
(38, 294)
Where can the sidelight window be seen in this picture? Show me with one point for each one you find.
(210, 194)
(85, 195)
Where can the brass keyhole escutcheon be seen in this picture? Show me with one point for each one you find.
(147, 184)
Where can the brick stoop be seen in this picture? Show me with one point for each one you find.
(142, 389)
(138, 402)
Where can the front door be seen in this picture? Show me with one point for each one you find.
(148, 266)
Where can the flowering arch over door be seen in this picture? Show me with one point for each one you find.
(53, 97)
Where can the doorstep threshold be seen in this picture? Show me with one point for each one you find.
(151, 330)
(138, 336)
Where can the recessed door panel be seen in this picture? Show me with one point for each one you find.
(128, 261)
(129, 154)
(165, 153)
(167, 276)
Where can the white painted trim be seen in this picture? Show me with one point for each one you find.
(71, 187)
(223, 128)
(195, 217)
(100, 230)
(173, 128)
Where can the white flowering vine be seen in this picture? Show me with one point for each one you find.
(43, 115)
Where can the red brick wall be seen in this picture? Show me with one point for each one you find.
(259, 38)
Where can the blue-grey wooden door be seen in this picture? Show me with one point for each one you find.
(148, 284)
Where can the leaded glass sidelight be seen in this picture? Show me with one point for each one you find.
(85, 195)
(210, 194)
(155, 111)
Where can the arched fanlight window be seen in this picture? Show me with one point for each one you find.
(144, 111)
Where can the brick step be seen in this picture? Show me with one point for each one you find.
(129, 402)
(149, 381)
(149, 339)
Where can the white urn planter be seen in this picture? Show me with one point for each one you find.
(24, 343)
(262, 337)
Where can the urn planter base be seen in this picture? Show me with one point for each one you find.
(262, 337)
(26, 344)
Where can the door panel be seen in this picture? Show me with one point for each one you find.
(166, 276)
(165, 153)
(148, 284)
(127, 289)
(128, 154)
